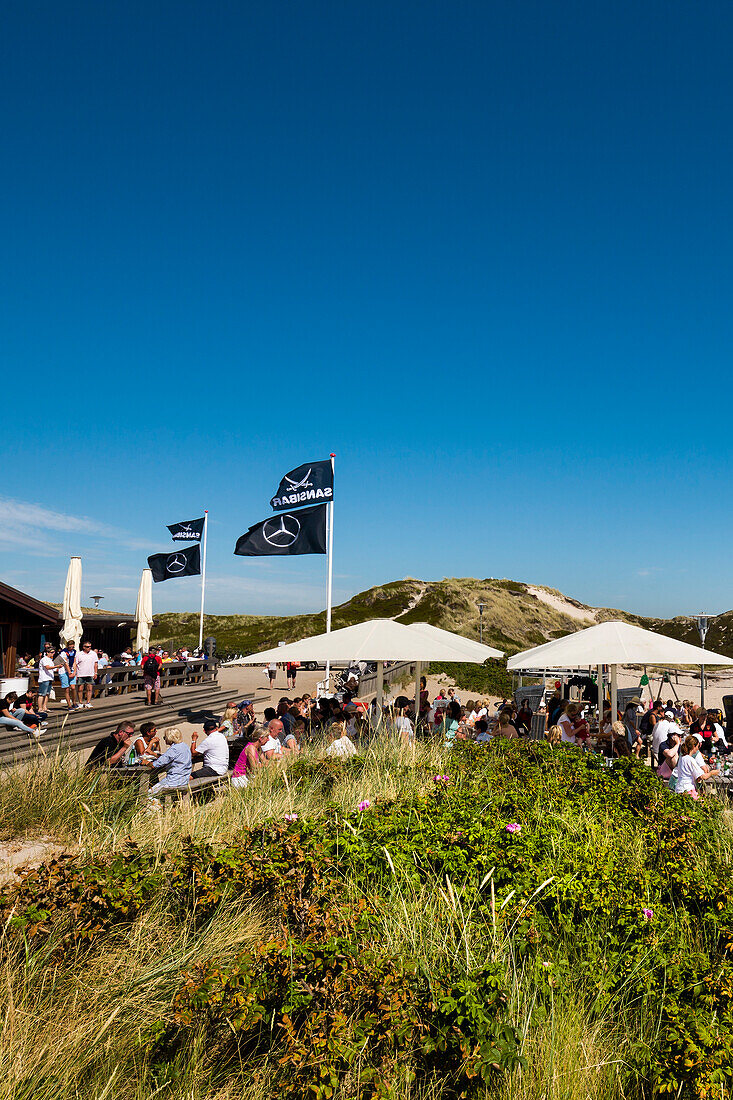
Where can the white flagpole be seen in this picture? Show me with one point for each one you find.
(203, 581)
(329, 582)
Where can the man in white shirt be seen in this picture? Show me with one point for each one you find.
(271, 748)
(86, 674)
(213, 751)
(46, 673)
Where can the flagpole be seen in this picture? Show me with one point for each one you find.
(203, 581)
(329, 581)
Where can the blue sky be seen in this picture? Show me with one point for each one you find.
(482, 251)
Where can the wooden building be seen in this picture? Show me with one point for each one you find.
(25, 623)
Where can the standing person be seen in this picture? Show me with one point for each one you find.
(291, 670)
(67, 674)
(151, 678)
(631, 724)
(554, 707)
(86, 674)
(46, 674)
(524, 717)
(423, 708)
(213, 752)
(272, 673)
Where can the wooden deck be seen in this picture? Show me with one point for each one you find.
(190, 701)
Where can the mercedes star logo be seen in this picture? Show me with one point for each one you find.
(281, 531)
(176, 563)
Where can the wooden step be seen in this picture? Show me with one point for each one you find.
(83, 728)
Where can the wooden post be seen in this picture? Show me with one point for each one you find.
(10, 656)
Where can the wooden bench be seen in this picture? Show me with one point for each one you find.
(193, 787)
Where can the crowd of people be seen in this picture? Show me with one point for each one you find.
(75, 672)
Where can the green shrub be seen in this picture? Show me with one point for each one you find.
(593, 882)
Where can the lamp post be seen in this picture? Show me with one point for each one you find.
(481, 621)
(702, 628)
(97, 599)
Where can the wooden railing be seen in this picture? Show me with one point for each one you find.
(123, 680)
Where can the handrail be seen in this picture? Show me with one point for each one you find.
(120, 680)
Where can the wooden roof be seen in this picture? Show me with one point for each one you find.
(27, 603)
(51, 612)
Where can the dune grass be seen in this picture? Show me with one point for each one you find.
(72, 1021)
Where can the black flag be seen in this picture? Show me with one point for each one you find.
(301, 532)
(310, 482)
(188, 530)
(184, 563)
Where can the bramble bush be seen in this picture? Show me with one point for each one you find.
(591, 879)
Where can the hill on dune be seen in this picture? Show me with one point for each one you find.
(515, 616)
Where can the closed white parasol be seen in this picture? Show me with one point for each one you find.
(144, 612)
(72, 629)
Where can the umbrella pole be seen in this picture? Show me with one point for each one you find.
(418, 670)
(614, 700)
(380, 690)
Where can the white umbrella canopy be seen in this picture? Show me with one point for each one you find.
(72, 628)
(614, 643)
(375, 640)
(476, 651)
(144, 612)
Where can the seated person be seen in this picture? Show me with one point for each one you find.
(175, 762)
(213, 751)
(271, 746)
(245, 721)
(227, 722)
(341, 744)
(112, 749)
(481, 731)
(506, 727)
(9, 711)
(285, 735)
(146, 746)
(553, 736)
(27, 707)
(249, 759)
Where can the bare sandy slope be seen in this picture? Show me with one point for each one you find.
(559, 603)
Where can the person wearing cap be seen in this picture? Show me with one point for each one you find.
(691, 767)
(213, 751)
(662, 732)
(244, 720)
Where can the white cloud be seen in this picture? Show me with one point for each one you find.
(22, 525)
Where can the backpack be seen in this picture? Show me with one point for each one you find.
(150, 667)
